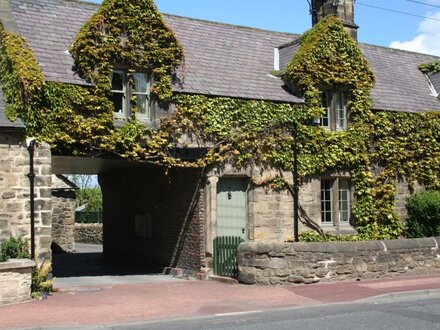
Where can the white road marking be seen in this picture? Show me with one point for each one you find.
(239, 313)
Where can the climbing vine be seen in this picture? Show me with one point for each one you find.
(78, 119)
(377, 149)
(432, 67)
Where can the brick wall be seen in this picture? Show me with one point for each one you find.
(176, 233)
(14, 192)
(277, 263)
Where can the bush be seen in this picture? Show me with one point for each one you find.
(41, 282)
(423, 214)
(312, 236)
(14, 248)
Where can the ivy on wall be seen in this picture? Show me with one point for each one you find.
(377, 149)
(22, 80)
(77, 119)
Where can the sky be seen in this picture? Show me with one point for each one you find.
(376, 26)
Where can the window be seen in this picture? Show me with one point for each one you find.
(335, 201)
(335, 106)
(129, 92)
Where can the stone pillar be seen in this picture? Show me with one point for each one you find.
(63, 213)
(14, 192)
(211, 213)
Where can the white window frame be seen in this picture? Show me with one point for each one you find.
(124, 113)
(334, 186)
(335, 117)
(324, 210)
(128, 93)
(341, 210)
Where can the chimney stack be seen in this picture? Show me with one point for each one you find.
(343, 9)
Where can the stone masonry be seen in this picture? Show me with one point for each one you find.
(90, 233)
(15, 281)
(151, 217)
(14, 193)
(278, 263)
(63, 213)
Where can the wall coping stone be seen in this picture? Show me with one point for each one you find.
(16, 264)
(263, 247)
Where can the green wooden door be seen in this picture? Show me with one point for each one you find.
(231, 224)
(232, 207)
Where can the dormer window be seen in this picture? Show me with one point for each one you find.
(131, 93)
(335, 117)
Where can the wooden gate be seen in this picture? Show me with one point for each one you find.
(225, 255)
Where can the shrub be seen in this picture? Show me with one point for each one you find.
(14, 248)
(41, 282)
(423, 214)
(311, 236)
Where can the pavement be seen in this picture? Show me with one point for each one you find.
(93, 293)
(176, 298)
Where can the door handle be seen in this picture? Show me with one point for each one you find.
(243, 230)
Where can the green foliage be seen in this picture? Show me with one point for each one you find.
(377, 148)
(129, 33)
(432, 67)
(78, 120)
(312, 236)
(22, 80)
(91, 196)
(423, 214)
(88, 192)
(14, 248)
(42, 285)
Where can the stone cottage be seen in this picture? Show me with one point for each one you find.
(169, 217)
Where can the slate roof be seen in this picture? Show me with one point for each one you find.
(435, 80)
(221, 59)
(61, 182)
(229, 60)
(400, 85)
(286, 53)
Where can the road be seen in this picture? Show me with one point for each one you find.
(395, 313)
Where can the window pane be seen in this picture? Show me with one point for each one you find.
(118, 101)
(341, 111)
(326, 201)
(142, 104)
(117, 78)
(140, 83)
(325, 103)
(344, 200)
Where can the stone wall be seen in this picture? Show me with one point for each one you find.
(15, 280)
(277, 263)
(63, 218)
(402, 194)
(172, 235)
(90, 233)
(14, 192)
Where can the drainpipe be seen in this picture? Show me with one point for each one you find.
(31, 149)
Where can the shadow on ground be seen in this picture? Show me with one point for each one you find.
(89, 261)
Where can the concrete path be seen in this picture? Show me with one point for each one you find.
(125, 303)
(86, 267)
